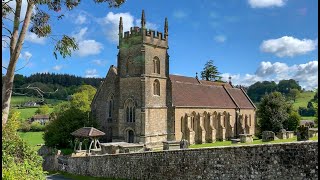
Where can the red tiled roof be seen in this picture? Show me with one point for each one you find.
(88, 132)
(190, 92)
(240, 98)
(41, 116)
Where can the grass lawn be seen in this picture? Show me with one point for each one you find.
(26, 113)
(18, 100)
(308, 117)
(255, 141)
(32, 138)
(303, 99)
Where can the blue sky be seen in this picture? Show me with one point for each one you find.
(249, 40)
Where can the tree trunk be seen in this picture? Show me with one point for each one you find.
(15, 49)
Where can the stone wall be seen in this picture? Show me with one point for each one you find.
(297, 160)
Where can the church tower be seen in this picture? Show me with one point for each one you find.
(143, 72)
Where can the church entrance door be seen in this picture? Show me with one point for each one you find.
(130, 136)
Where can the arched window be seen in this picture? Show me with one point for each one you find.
(156, 65)
(156, 87)
(130, 111)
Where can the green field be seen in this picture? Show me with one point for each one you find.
(26, 113)
(19, 100)
(255, 141)
(32, 138)
(303, 99)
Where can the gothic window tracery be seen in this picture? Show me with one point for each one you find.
(130, 111)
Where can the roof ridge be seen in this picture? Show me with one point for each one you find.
(248, 98)
(231, 97)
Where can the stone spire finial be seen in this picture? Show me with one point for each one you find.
(120, 28)
(166, 27)
(143, 20)
(229, 79)
(196, 75)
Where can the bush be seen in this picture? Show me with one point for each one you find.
(303, 111)
(25, 126)
(19, 160)
(292, 122)
(36, 126)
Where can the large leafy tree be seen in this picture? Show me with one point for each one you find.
(70, 116)
(210, 72)
(273, 111)
(259, 89)
(38, 16)
(284, 86)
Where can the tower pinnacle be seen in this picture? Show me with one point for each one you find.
(143, 20)
(120, 28)
(165, 27)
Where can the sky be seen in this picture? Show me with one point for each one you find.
(248, 40)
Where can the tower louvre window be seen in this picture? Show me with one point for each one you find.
(156, 65)
(156, 87)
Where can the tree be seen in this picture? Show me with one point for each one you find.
(70, 116)
(292, 122)
(41, 27)
(284, 86)
(259, 89)
(273, 111)
(210, 72)
(43, 110)
(293, 94)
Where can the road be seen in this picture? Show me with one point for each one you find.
(57, 177)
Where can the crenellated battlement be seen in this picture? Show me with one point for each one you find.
(148, 36)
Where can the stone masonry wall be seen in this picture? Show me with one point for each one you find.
(297, 160)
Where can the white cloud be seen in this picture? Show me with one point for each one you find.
(148, 24)
(306, 74)
(179, 14)
(31, 37)
(266, 3)
(57, 67)
(288, 46)
(26, 55)
(220, 38)
(111, 24)
(81, 19)
(87, 46)
(91, 73)
(99, 62)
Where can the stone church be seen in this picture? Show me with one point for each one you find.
(140, 102)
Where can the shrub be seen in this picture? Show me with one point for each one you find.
(36, 126)
(25, 126)
(19, 160)
(303, 111)
(292, 122)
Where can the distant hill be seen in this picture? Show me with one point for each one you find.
(54, 86)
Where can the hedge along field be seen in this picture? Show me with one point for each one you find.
(19, 100)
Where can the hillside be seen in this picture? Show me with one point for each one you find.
(302, 101)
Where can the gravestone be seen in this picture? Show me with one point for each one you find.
(282, 134)
(303, 133)
(268, 136)
(184, 144)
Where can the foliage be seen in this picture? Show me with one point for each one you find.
(25, 126)
(70, 116)
(272, 112)
(19, 160)
(284, 86)
(210, 72)
(259, 89)
(45, 109)
(36, 127)
(293, 94)
(303, 111)
(292, 122)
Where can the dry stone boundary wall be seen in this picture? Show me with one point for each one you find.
(297, 160)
